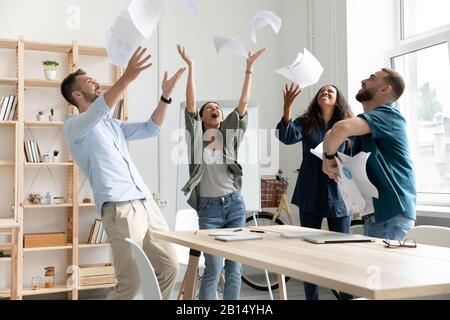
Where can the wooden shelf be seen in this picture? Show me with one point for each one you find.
(8, 44)
(5, 259)
(47, 248)
(6, 163)
(8, 123)
(47, 164)
(87, 205)
(47, 47)
(97, 245)
(8, 81)
(98, 286)
(92, 51)
(38, 83)
(56, 289)
(8, 223)
(43, 124)
(47, 206)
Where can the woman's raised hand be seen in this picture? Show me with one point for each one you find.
(183, 55)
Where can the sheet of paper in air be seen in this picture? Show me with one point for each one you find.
(305, 71)
(356, 189)
(262, 19)
(318, 151)
(233, 44)
(122, 39)
(190, 5)
(145, 15)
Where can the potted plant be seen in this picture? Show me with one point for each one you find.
(50, 67)
(55, 155)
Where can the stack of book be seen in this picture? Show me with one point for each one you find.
(32, 152)
(97, 234)
(97, 274)
(8, 108)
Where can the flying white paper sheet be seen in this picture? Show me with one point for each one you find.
(122, 39)
(191, 6)
(305, 71)
(233, 44)
(145, 15)
(262, 19)
(318, 151)
(356, 188)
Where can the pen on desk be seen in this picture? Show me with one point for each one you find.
(237, 230)
(257, 231)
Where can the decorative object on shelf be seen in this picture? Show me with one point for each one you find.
(49, 277)
(48, 198)
(45, 158)
(41, 116)
(39, 240)
(50, 67)
(34, 198)
(52, 115)
(58, 200)
(55, 155)
(36, 283)
(87, 200)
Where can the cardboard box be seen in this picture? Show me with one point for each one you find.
(35, 240)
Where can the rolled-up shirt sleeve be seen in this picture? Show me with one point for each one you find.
(139, 130)
(290, 133)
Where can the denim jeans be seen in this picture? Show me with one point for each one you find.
(308, 220)
(392, 229)
(213, 213)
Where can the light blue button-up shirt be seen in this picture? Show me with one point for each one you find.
(98, 145)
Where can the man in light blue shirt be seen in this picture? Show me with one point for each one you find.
(97, 143)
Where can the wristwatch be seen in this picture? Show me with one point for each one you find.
(168, 101)
(330, 156)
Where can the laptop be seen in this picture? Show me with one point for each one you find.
(337, 238)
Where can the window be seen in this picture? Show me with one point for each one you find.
(424, 62)
(419, 16)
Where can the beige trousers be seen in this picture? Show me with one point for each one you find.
(137, 220)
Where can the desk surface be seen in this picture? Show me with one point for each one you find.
(363, 269)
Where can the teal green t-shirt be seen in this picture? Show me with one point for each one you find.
(389, 166)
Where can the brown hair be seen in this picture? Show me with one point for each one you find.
(395, 80)
(312, 114)
(205, 104)
(69, 85)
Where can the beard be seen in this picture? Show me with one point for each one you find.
(89, 96)
(365, 95)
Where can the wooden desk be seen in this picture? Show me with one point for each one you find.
(10, 226)
(366, 270)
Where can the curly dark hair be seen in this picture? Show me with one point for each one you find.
(312, 114)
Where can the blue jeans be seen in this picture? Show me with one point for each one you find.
(392, 229)
(213, 213)
(308, 220)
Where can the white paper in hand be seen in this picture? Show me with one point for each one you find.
(305, 71)
(122, 40)
(190, 6)
(356, 188)
(145, 15)
(262, 19)
(233, 44)
(318, 151)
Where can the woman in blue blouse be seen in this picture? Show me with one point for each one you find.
(316, 195)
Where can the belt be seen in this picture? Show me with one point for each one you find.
(368, 216)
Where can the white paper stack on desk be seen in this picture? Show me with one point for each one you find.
(228, 236)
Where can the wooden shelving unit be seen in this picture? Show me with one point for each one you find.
(21, 168)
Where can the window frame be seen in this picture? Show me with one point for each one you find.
(410, 45)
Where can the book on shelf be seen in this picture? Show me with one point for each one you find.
(97, 235)
(8, 106)
(32, 152)
(98, 269)
(97, 280)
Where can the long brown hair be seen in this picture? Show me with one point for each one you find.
(312, 114)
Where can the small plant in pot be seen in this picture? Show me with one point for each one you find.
(50, 67)
(55, 155)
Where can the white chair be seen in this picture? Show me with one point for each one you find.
(149, 288)
(432, 235)
(435, 236)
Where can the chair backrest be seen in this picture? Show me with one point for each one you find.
(186, 220)
(149, 283)
(432, 235)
